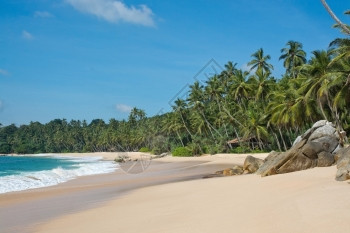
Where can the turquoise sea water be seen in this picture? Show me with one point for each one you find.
(27, 172)
(14, 165)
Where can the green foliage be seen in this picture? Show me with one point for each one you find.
(144, 149)
(5, 148)
(182, 152)
(240, 150)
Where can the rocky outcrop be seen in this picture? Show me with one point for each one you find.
(235, 170)
(343, 164)
(315, 148)
(252, 164)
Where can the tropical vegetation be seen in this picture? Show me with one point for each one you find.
(259, 111)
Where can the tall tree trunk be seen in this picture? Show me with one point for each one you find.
(284, 143)
(329, 10)
(177, 132)
(183, 122)
(278, 143)
(321, 108)
(234, 119)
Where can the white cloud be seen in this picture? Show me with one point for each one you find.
(4, 72)
(123, 108)
(115, 11)
(26, 35)
(42, 14)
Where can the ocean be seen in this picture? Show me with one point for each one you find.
(19, 173)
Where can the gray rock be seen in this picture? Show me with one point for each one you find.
(343, 164)
(268, 161)
(337, 149)
(325, 159)
(343, 157)
(328, 143)
(298, 139)
(326, 130)
(343, 174)
(311, 149)
(319, 123)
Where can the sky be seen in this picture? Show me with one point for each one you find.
(96, 59)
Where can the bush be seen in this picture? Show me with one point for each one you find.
(182, 152)
(240, 150)
(144, 149)
(259, 151)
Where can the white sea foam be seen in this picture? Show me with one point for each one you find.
(31, 180)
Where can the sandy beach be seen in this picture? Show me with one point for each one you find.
(23, 211)
(171, 196)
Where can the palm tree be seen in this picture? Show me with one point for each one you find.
(240, 89)
(255, 127)
(180, 108)
(260, 61)
(319, 81)
(340, 48)
(261, 83)
(293, 56)
(197, 100)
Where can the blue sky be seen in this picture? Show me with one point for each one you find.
(87, 59)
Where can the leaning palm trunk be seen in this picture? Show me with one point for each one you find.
(340, 23)
(322, 110)
(218, 102)
(209, 125)
(177, 132)
(183, 122)
(278, 143)
(284, 143)
(229, 114)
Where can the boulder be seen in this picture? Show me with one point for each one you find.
(298, 139)
(268, 161)
(235, 170)
(328, 143)
(326, 130)
(316, 147)
(325, 159)
(343, 164)
(320, 123)
(252, 164)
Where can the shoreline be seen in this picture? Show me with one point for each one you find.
(22, 211)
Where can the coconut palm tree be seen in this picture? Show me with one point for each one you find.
(340, 47)
(260, 61)
(320, 83)
(261, 84)
(239, 88)
(180, 108)
(293, 56)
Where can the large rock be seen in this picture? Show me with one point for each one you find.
(268, 161)
(325, 159)
(343, 164)
(316, 147)
(252, 164)
(235, 170)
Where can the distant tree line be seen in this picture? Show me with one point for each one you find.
(252, 106)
